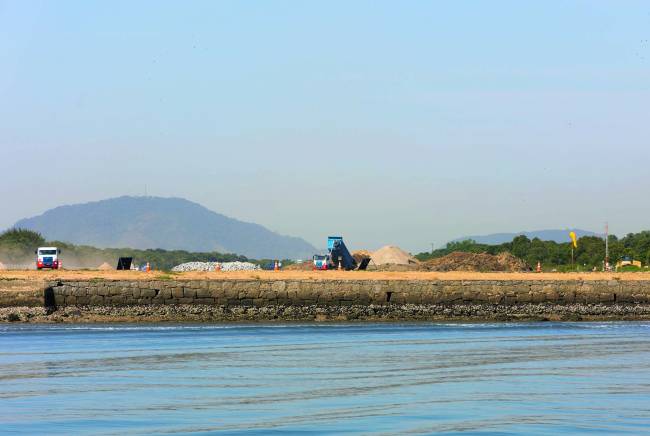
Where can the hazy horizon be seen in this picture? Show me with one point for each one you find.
(388, 123)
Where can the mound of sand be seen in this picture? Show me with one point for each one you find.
(391, 254)
(482, 262)
(104, 267)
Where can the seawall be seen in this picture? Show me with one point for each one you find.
(232, 300)
(260, 293)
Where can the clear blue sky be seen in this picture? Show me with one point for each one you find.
(388, 122)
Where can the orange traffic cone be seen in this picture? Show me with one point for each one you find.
(148, 267)
(539, 267)
(217, 267)
(275, 266)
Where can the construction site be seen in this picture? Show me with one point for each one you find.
(388, 284)
(337, 258)
(339, 284)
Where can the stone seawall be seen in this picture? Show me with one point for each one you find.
(261, 293)
(22, 293)
(231, 300)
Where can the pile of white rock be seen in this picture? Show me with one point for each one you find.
(212, 266)
(195, 266)
(238, 266)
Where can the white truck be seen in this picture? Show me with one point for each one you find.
(47, 257)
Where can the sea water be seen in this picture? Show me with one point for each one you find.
(544, 378)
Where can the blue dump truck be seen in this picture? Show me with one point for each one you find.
(338, 256)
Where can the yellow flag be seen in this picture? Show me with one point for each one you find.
(572, 235)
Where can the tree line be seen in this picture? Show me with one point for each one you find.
(17, 248)
(590, 252)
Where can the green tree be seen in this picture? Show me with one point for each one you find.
(27, 239)
(17, 246)
(520, 246)
(537, 252)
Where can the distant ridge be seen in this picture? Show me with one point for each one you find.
(545, 235)
(167, 223)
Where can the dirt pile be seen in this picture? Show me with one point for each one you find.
(481, 262)
(359, 255)
(104, 267)
(513, 263)
(391, 254)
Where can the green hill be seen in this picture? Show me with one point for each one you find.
(165, 223)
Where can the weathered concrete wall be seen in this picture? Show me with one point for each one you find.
(260, 293)
(322, 300)
(14, 293)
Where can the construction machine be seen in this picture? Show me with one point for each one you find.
(338, 257)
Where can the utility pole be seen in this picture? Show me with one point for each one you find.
(432, 248)
(606, 246)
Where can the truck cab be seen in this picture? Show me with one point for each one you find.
(47, 257)
(320, 262)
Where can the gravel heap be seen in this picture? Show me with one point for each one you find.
(483, 262)
(211, 266)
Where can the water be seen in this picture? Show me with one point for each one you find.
(544, 378)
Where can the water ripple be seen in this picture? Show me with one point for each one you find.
(310, 378)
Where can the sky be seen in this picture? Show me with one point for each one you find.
(405, 123)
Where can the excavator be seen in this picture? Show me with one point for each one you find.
(338, 257)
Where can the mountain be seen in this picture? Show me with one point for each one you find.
(168, 223)
(544, 235)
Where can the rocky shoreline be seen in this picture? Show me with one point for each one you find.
(319, 313)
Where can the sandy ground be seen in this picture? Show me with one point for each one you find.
(312, 275)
